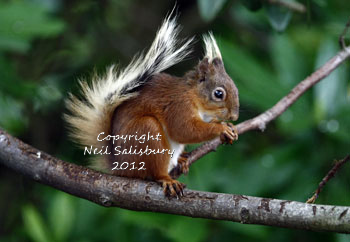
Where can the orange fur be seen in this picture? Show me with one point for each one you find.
(171, 112)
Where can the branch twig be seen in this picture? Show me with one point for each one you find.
(133, 194)
(294, 6)
(329, 176)
(342, 36)
(263, 119)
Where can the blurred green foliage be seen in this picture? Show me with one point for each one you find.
(46, 45)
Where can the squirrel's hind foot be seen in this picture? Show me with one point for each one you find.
(172, 188)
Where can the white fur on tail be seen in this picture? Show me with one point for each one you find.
(212, 50)
(92, 116)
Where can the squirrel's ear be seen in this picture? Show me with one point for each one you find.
(217, 62)
(203, 66)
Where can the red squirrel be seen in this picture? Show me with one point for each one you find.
(124, 107)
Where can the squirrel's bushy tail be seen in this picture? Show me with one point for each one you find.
(93, 115)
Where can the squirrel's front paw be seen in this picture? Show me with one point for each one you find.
(229, 134)
(182, 161)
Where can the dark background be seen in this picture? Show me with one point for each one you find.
(47, 45)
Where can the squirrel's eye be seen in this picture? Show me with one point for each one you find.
(219, 94)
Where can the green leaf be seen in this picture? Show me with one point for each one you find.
(339, 126)
(330, 93)
(342, 238)
(47, 94)
(288, 61)
(22, 21)
(147, 220)
(256, 232)
(290, 65)
(321, 3)
(61, 215)
(187, 230)
(252, 5)
(12, 84)
(177, 228)
(34, 225)
(11, 115)
(208, 9)
(14, 44)
(257, 84)
(279, 17)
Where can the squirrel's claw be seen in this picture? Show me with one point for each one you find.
(178, 190)
(234, 129)
(173, 188)
(229, 134)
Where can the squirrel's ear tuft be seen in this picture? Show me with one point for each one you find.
(212, 50)
(203, 66)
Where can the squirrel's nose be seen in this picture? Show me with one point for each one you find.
(234, 116)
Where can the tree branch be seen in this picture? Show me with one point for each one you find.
(326, 179)
(260, 121)
(133, 194)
